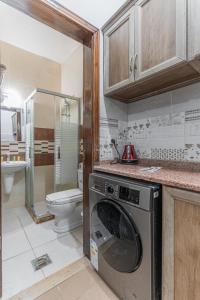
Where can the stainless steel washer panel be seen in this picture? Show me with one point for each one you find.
(100, 182)
(145, 282)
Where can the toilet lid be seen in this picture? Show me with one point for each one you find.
(68, 196)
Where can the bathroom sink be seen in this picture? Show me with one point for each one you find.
(8, 169)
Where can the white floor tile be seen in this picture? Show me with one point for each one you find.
(18, 274)
(39, 234)
(23, 215)
(10, 222)
(14, 243)
(62, 252)
(78, 234)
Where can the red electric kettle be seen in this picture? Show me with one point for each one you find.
(129, 155)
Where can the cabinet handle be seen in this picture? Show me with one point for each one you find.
(135, 65)
(135, 62)
(131, 65)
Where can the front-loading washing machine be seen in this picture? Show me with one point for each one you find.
(125, 235)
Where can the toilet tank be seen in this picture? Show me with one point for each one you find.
(80, 179)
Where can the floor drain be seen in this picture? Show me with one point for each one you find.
(41, 262)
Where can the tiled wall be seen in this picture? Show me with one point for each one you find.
(12, 148)
(164, 127)
(167, 126)
(111, 129)
(113, 124)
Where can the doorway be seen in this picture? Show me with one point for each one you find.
(71, 25)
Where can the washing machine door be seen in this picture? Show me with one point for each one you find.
(116, 236)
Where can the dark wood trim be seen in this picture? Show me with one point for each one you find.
(95, 93)
(87, 142)
(90, 126)
(68, 23)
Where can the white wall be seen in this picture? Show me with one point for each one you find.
(72, 74)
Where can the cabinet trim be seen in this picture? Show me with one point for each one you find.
(168, 246)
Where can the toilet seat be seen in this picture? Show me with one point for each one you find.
(64, 197)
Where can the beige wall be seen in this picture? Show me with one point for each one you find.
(72, 75)
(44, 111)
(25, 72)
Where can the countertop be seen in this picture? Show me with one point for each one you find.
(179, 178)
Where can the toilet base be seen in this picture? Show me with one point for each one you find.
(62, 225)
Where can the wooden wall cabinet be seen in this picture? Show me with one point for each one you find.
(163, 38)
(119, 52)
(181, 245)
(160, 35)
(194, 33)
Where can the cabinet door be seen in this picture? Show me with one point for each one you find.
(160, 35)
(119, 53)
(193, 29)
(181, 244)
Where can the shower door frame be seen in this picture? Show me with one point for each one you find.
(63, 20)
(47, 216)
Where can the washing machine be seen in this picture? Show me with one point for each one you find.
(126, 234)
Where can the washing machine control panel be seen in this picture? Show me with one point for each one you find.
(130, 195)
(122, 193)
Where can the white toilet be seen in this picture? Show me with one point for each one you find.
(67, 207)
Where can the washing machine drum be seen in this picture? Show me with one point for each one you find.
(116, 236)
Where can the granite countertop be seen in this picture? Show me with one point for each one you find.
(174, 177)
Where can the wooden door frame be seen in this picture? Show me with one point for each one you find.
(61, 19)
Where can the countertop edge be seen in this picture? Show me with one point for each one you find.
(150, 178)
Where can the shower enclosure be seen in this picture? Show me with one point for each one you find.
(52, 127)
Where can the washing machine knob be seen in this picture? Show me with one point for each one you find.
(110, 189)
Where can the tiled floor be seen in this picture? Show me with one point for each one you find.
(77, 281)
(23, 240)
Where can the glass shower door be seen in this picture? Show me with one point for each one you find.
(66, 143)
(52, 148)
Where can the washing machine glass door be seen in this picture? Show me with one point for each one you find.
(116, 236)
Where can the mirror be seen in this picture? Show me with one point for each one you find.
(11, 124)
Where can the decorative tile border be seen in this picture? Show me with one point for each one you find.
(168, 154)
(41, 147)
(173, 137)
(192, 115)
(13, 148)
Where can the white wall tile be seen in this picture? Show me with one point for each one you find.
(160, 127)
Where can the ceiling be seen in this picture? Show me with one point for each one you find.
(96, 12)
